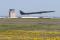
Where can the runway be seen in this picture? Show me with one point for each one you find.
(29, 21)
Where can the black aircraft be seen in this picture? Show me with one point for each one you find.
(23, 13)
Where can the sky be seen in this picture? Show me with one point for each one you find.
(30, 6)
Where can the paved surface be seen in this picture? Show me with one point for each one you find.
(26, 21)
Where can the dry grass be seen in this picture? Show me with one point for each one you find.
(29, 35)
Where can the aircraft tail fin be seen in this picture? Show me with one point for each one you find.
(21, 12)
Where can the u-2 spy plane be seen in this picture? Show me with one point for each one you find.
(23, 13)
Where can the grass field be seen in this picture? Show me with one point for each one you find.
(20, 29)
(29, 27)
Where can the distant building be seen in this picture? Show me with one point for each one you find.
(12, 13)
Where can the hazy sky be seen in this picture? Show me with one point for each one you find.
(30, 6)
